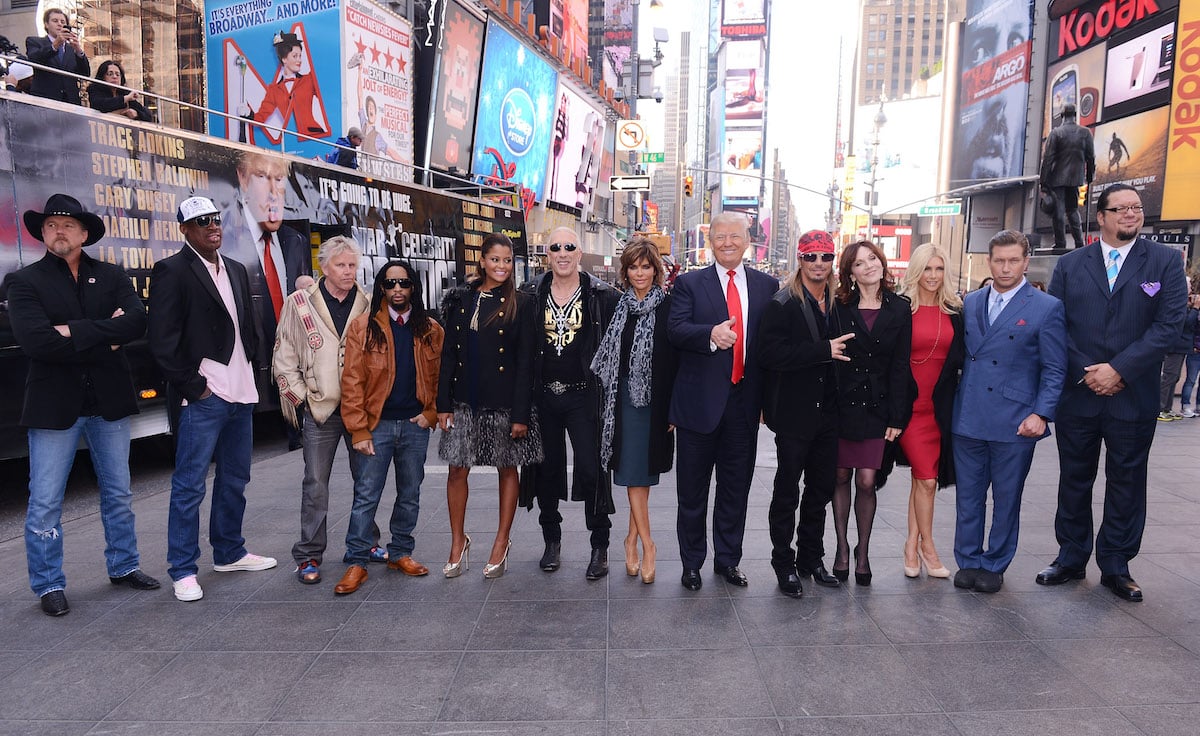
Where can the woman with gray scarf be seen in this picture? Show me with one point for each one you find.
(636, 367)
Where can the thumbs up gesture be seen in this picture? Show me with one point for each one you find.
(722, 334)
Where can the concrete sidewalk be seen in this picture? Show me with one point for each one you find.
(536, 653)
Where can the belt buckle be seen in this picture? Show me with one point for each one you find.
(558, 388)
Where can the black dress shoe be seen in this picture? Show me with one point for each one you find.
(1123, 586)
(790, 584)
(987, 581)
(54, 603)
(598, 566)
(691, 579)
(821, 576)
(1057, 574)
(551, 557)
(966, 577)
(732, 575)
(137, 580)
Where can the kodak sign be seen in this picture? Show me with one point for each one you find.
(1183, 144)
(1093, 23)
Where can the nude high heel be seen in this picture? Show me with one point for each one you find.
(491, 572)
(934, 572)
(454, 569)
(631, 557)
(650, 555)
(911, 572)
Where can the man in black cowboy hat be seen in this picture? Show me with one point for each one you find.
(71, 314)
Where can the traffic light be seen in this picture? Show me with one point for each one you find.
(1083, 195)
(687, 185)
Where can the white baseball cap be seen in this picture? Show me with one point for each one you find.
(194, 207)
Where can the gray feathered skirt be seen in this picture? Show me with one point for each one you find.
(482, 437)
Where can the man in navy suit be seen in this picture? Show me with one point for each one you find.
(717, 403)
(1016, 345)
(1128, 298)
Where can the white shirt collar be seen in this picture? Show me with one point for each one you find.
(1005, 296)
(397, 316)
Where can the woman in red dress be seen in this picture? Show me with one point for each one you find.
(937, 356)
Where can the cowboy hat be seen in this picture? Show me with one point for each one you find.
(63, 205)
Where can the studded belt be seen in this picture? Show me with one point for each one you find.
(558, 388)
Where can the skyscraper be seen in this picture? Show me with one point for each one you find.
(900, 41)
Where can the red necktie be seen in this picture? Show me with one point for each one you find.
(272, 276)
(734, 302)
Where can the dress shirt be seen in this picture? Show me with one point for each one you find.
(1005, 298)
(739, 279)
(256, 232)
(1122, 249)
(234, 382)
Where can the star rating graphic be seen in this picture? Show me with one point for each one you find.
(381, 57)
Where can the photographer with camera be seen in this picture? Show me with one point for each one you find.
(60, 48)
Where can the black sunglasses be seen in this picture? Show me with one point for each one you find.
(393, 283)
(206, 220)
(568, 247)
(812, 257)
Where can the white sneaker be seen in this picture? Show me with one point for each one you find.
(188, 589)
(1187, 412)
(249, 562)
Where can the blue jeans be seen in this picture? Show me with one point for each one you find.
(403, 444)
(1189, 381)
(51, 455)
(320, 446)
(210, 430)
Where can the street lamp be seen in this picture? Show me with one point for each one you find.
(880, 121)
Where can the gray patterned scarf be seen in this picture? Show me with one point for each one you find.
(607, 363)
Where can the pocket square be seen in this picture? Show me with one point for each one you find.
(1020, 323)
(1151, 287)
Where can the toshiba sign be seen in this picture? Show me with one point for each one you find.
(1094, 22)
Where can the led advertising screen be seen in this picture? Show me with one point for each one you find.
(514, 124)
(989, 140)
(741, 164)
(1139, 72)
(1133, 150)
(744, 80)
(743, 19)
(1076, 81)
(457, 86)
(379, 71)
(576, 150)
(283, 73)
(618, 32)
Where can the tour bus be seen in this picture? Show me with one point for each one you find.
(134, 175)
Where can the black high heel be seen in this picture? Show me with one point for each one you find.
(841, 573)
(861, 578)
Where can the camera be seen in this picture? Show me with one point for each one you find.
(618, 94)
(658, 96)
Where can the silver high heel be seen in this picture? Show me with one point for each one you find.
(454, 569)
(491, 572)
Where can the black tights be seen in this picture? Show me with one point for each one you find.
(864, 516)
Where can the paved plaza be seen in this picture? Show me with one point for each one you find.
(545, 654)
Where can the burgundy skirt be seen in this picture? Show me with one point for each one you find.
(860, 453)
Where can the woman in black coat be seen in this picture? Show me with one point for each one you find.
(636, 366)
(937, 358)
(485, 396)
(103, 94)
(873, 401)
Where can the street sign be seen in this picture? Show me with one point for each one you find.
(629, 183)
(631, 136)
(940, 210)
(654, 158)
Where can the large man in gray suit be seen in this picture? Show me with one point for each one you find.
(1068, 162)
(1125, 298)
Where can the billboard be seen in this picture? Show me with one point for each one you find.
(1139, 72)
(453, 119)
(575, 151)
(1076, 81)
(989, 140)
(284, 73)
(1133, 150)
(743, 81)
(743, 19)
(741, 166)
(618, 35)
(379, 70)
(514, 122)
(1183, 153)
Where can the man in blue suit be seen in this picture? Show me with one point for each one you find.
(1016, 343)
(1128, 298)
(716, 403)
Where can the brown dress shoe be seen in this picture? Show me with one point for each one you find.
(408, 566)
(355, 576)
